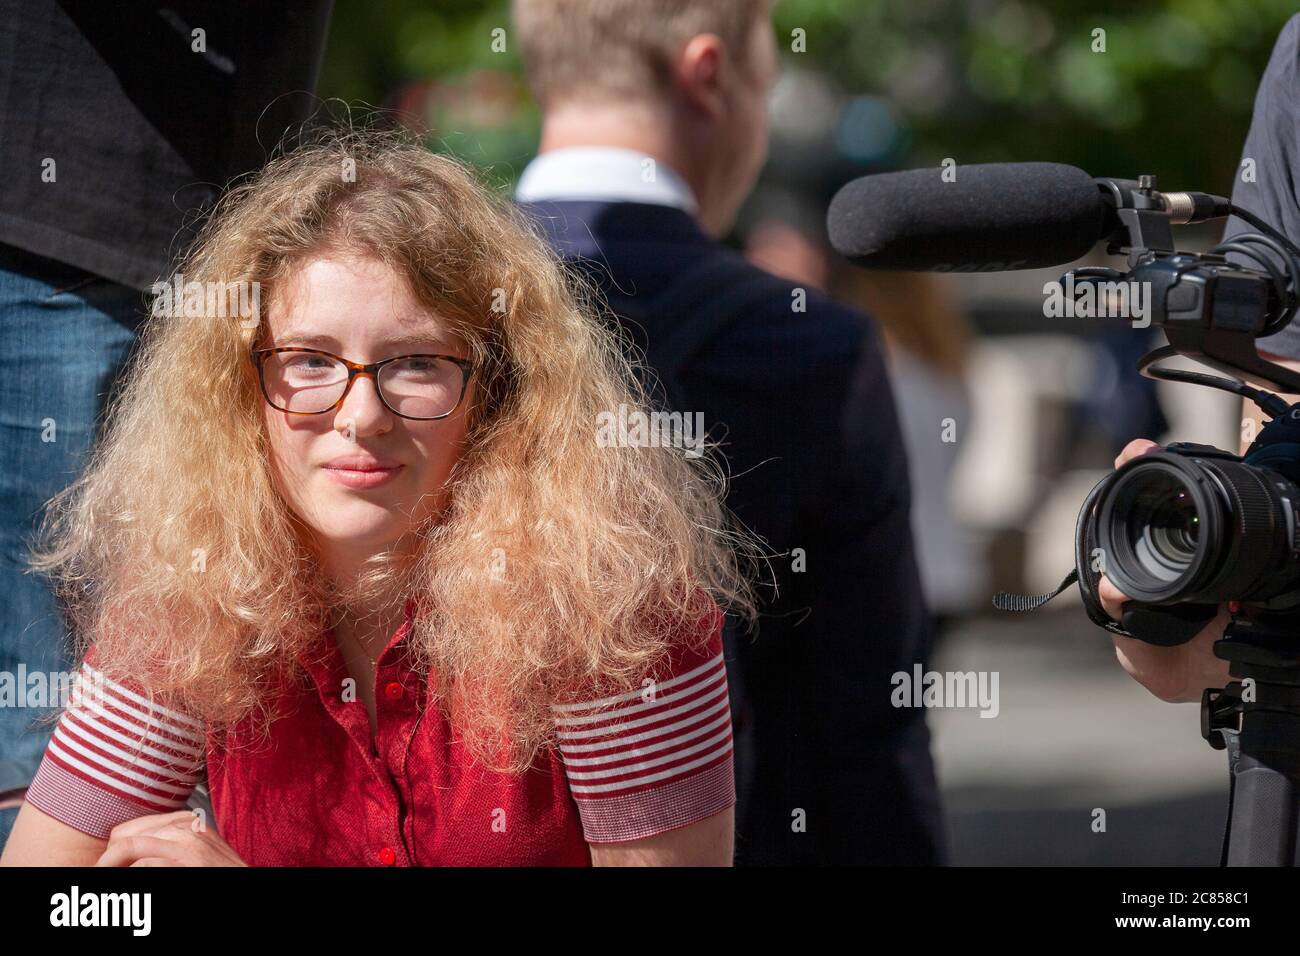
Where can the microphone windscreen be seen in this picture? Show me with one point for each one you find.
(990, 217)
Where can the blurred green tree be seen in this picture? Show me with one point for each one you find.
(1116, 87)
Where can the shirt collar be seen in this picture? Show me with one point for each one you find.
(320, 658)
(603, 173)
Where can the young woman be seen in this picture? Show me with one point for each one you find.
(363, 559)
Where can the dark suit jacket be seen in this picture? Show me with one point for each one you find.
(802, 406)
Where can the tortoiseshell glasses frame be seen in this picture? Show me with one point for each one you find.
(373, 369)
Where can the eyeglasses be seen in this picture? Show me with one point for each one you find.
(304, 381)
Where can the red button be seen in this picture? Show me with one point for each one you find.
(394, 691)
(387, 856)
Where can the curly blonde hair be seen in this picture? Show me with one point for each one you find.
(608, 551)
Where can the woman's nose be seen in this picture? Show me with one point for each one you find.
(362, 410)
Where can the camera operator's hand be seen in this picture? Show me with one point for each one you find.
(1173, 674)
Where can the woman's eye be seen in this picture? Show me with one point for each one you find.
(304, 368)
(308, 362)
(414, 365)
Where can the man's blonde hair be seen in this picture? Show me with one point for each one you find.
(576, 49)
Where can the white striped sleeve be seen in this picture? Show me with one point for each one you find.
(115, 756)
(656, 759)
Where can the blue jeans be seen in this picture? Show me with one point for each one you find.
(65, 335)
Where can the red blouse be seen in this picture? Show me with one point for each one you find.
(312, 792)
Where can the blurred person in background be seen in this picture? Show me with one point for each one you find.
(781, 237)
(654, 131)
(927, 346)
(119, 125)
(1121, 403)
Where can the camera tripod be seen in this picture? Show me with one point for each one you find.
(1256, 719)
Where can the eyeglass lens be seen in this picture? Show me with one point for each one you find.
(417, 387)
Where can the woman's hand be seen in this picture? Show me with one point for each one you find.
(1174, 674)
(167, 839)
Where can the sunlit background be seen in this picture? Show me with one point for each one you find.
(1040, 407)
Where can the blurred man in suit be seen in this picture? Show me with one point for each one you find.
(654, 132)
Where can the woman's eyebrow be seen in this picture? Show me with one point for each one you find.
(400, 341)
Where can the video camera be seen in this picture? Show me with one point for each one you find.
(1186, 529)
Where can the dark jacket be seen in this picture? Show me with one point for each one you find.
(802, 406)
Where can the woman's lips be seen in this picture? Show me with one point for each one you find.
(369, 478)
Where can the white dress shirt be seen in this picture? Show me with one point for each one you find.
(603, 174)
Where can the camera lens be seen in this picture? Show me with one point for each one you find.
(1153, 530)
(1175, 528)
(1163, 525)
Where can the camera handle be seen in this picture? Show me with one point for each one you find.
(1256, 719)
